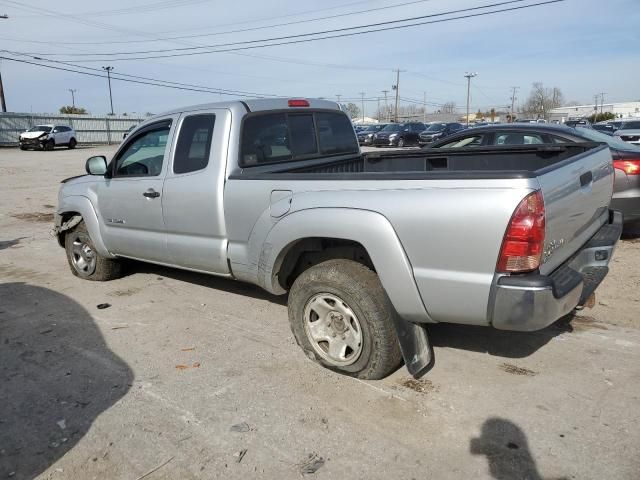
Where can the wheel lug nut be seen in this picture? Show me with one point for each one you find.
(344, 337)
(333, 335)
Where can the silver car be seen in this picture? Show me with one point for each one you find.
(629, 132)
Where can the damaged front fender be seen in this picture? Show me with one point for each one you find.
(62, 226)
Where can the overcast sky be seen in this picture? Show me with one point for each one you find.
(582, 46)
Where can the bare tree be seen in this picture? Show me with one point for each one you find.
(352, 110)
(542, 100)
(449, 107)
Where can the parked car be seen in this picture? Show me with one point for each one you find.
(436, 131)
(605, 128)
(398, 135)
(365, 136)
(522, 236)
(629, 132)
(626, 157)
(578, 123)
(47, 137)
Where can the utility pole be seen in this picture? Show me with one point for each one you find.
(386, 105)
(595, 107)
(108, 70)
(362, 97)
(424, 108)
(2, 101)
(378, 111)
(396, 87)
(469, 76)
(73, 96)
(602, 94)
(513, 99)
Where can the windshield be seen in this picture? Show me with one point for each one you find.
(613, 142)
(40, 128)
(435, 127)
(394, 127)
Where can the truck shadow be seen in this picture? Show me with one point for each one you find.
(210, 281)
(56, 374)
(500, 343)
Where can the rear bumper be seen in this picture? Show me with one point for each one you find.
(628, 206)
(533, 301)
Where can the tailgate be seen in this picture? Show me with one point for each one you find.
(576, 195)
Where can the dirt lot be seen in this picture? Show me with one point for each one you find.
(188, 376)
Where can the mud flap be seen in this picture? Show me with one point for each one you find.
(415, 347)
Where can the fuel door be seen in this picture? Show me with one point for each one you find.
(280, 202)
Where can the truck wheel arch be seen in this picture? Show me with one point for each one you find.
(360, 235)
(75, 206)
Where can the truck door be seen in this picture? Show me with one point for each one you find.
(130, 202)
(193, 191)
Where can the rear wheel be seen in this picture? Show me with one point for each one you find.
(85, 261)
(341, 317)
(72, 143)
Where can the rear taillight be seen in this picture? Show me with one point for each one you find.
(628, 166)
(524, 239)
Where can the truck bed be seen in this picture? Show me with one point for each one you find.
(484, 162)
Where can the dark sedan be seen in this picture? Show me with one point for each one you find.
(438, 131)
(626, 157)
(365, 136)
(398, 134)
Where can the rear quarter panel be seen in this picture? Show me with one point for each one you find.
(450, 230)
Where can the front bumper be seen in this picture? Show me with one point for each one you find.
(533, 301)
(31, 142)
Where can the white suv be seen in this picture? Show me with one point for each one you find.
(47, 137)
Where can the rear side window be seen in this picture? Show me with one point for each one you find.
(470, 141)
(631, 125)
(281, 137)
(518, 138)
(194, 143)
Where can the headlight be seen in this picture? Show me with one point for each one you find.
(370, 135)
(43, 136)
(393, 135)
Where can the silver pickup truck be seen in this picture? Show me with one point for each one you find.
(370, 248)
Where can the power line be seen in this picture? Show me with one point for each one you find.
(158, 83)
(182, 84)
(287, 40)
(242, 30)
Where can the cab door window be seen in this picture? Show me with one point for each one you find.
(143, 156)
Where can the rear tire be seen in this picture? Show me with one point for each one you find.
(341, 317)
(72, 144)
(85, 262)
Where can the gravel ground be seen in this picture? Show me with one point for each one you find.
(189, 376)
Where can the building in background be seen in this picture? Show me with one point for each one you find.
(620, 110)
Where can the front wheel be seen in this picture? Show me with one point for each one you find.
(342, 318)
(85, 261)
(401, 142)
(50, 145)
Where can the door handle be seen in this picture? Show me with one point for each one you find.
(151, 193)
(586, 179)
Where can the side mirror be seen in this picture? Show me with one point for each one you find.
(96, 165)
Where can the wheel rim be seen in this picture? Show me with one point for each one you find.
(83, 257)
(333, 329)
